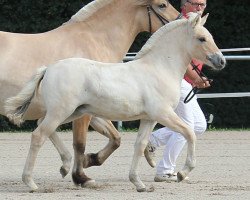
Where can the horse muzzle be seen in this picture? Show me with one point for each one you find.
(218, 60)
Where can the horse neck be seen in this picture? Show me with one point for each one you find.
(170, 53)
(114, 26)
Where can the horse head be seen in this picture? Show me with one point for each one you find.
(202, 45)
(160, 12)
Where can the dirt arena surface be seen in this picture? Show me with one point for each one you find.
(222, 172)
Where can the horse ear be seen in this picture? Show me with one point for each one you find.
(196, 20)
(204, 19)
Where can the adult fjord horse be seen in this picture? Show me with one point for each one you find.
(149, 91)
(103, 31)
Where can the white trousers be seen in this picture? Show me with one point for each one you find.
(190, 113)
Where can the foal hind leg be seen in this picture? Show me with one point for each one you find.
(145, 129)
(62, 150)
(39, 135)
(106, 128)
(80, 129)
(172, 121)
(64, 154)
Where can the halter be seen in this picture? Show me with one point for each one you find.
(195, 90)
(162, 19)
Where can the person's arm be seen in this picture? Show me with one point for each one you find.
(195, 78)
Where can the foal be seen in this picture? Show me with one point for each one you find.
(147, 88)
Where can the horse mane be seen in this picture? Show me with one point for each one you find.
(94, 6)
(88, 10)
(158, 34)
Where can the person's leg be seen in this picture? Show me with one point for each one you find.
(160, 137)
(200, 123)
(170, 154)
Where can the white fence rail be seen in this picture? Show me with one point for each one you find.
(224, 95)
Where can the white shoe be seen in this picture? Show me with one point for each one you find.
(167, 177)
(149, 153)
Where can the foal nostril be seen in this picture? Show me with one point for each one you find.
(222, 61)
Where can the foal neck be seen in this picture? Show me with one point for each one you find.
(167, 49)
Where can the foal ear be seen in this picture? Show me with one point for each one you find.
(204, 19)
(195, 21)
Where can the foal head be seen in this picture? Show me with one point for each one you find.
(201, 44)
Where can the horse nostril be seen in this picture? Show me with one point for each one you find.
(222, 61)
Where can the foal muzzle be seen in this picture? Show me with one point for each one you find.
(218, 60)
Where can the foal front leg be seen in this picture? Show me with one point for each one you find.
(172, 121)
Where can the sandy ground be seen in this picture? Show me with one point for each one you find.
(222, 172)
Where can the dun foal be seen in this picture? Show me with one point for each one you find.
(147, 88)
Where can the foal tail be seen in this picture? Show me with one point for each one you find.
(15, 107)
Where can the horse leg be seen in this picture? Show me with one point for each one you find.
(172, 121)
(145, 129)
(62, 150)
(80, 129)
(106, 128)
(39, 135)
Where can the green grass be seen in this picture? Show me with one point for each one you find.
(211, 128)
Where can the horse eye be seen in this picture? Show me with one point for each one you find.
(162, 5)
(202, 39)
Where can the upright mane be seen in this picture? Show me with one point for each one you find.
(94, 6)
(157, 35)
(88, 10)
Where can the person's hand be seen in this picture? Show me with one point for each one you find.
(201, 83)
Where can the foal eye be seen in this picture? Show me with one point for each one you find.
(162, 5)
(202, 39)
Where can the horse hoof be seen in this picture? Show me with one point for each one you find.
(141, 190)
(30, 183)
(89, 184)
(149, 154)
(180, 177)
(64, 171)
(151, 162)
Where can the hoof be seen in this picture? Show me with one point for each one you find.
(180, 177)
(151, 162)
(149, 154)
(64, 171)
(141, 190)
(30, 183)
(34, 189)
(144, 189)
(89, 184)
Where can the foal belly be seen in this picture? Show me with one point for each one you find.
(118, 110)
